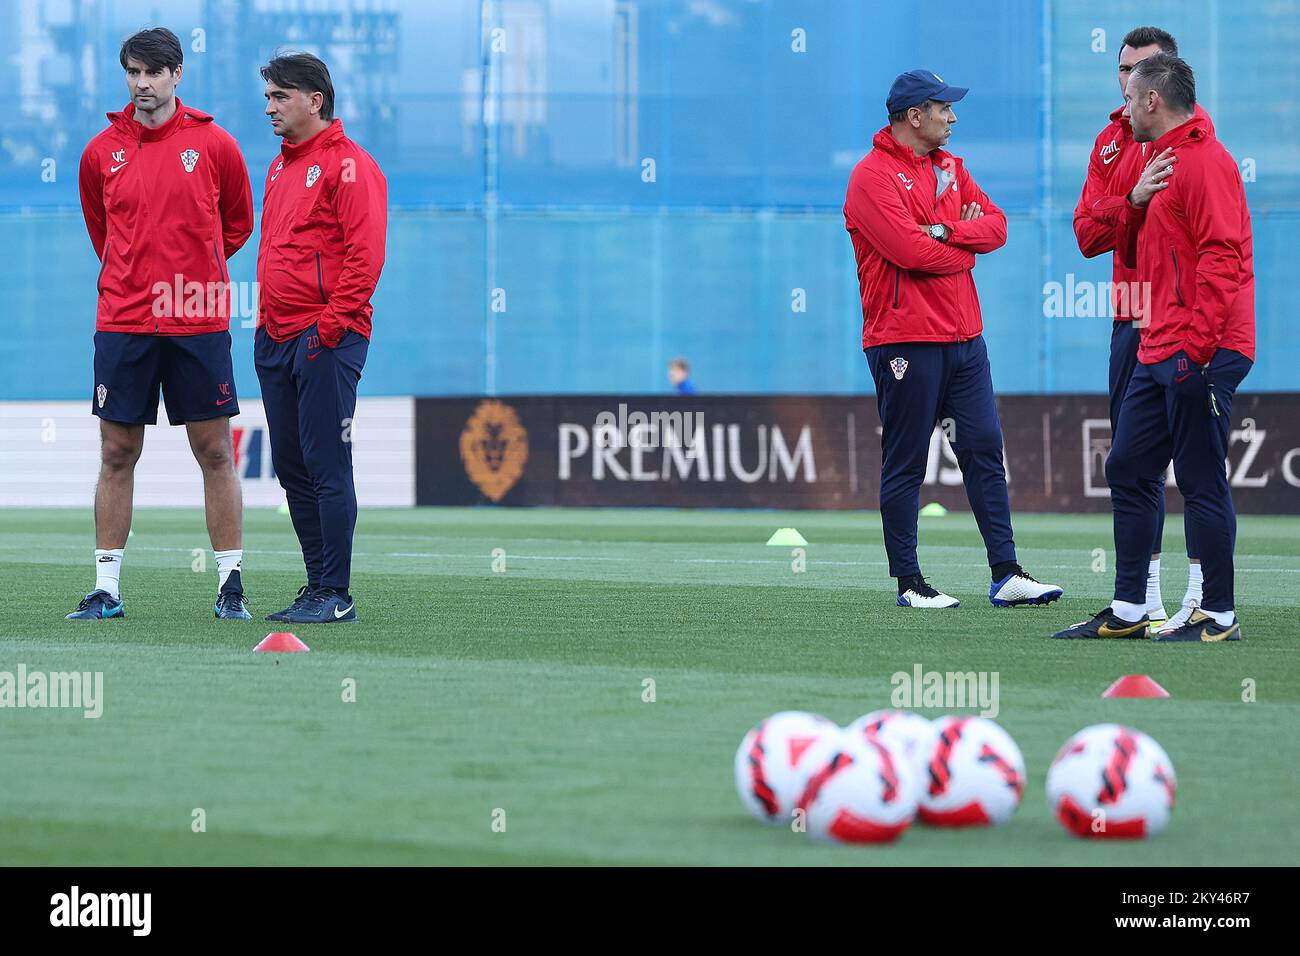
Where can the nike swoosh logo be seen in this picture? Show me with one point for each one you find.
(338, 614)
(312, 356)
(119, 166)
(1105, 631)
(224, 400)
(1179, 381)
(1106, 161)
(1208, 638)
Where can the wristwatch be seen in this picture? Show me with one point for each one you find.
(939, 231)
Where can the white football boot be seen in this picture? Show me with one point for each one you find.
(1019, 588)
(920, 594)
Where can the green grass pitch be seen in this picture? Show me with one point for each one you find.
(521, 691)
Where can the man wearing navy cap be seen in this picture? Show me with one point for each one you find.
(917, 220)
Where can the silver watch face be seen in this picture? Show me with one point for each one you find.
(936, 232)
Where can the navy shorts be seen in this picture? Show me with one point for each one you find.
(195, 372)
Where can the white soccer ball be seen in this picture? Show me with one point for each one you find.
(975, 776)
(910, 735)
(860, 790)
(1112, 781)
(771, 766)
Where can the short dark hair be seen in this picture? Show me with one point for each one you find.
(1145, 36)
(679, 363)
(899, 115)
(1171, 77)
(155, 48)
(302, 71)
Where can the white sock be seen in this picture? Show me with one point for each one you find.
(227, 561)
(108, 571)
(1128, 612)
(1193, 595)
(1153, 585)
(1221, 618)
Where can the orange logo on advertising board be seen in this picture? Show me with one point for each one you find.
(494, 448)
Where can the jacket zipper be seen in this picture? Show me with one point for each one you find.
(934, 214)
(224, 278)
(99, 279)
(139, 148)
(898, 276)
(1178, 278)
(221, 266)
(320, 284)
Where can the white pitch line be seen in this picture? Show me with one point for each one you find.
(513, 557)
(612, 558)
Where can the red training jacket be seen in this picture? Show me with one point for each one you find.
(914, 288)
(1193, 243)
(324, 223)
(1114, 166)
(165, 209)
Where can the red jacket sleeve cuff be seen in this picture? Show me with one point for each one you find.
(1200, 354)
(951, 226)
(330, 334)
(1108, 209)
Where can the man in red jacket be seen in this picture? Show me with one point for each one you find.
(324, 222)
(1114, 165)
(167, 201)
(917, 220)
(1186, 229)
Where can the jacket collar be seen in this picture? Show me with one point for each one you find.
(1119, 117)
(291, 151)
(1195, 129)
(125, 120)
(884, 140)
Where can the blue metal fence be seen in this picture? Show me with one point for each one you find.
(668, 175)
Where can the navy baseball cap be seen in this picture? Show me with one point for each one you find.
(916, 86)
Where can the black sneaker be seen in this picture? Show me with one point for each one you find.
(1104, 625)
(304, 594)
(1202, 628)
(324, 606)
(230, 606)
(97, 606)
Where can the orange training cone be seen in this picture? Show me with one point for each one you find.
(1135, 685)
(283, 643)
